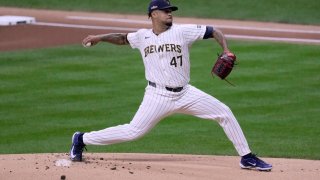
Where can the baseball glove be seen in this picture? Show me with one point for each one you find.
(224, 65)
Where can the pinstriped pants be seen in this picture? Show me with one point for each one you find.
(159, 103)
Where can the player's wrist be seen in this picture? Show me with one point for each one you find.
(226, 51)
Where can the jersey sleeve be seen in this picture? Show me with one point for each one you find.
(133, 39)
(193, 32)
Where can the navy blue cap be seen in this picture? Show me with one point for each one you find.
(160, 5)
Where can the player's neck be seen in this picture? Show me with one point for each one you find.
(159, 28)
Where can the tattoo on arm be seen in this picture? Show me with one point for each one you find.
(115, 38)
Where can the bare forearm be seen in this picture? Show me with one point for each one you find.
(219, 37)
(114, 38)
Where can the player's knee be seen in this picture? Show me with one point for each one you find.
(226, 109)
(225, 113)
(135, 133)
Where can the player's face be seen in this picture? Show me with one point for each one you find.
(164, 16)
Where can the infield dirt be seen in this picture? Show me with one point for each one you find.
(56, 28)
(150, 167)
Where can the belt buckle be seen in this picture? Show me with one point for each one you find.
(178, 89)
(152, 84)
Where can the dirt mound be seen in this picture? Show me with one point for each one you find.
(148, 166)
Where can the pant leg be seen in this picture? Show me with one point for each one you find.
(196, 102)
(153, 108)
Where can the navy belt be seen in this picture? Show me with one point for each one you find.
(177, 89)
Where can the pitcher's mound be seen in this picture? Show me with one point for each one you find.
(149, 167)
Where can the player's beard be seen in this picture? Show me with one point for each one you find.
(169, 24)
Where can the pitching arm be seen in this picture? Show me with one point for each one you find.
(113, 38)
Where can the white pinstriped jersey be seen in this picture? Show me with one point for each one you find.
(166, 56)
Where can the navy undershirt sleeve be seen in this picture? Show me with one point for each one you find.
(209, 32)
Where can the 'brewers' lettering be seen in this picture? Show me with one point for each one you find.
(162, 48)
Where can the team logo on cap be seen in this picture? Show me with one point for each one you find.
(154, 7)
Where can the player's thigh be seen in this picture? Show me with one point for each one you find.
(203, 105)
(153, 108)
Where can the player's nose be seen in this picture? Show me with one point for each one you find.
(168, 12)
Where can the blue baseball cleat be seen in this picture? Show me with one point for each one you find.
(253, 162)
(77, 147)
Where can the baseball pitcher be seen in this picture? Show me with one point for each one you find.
(165, 53)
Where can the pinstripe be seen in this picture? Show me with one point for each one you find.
(153, 108)
(202, 105)
(157, 104)
(158, 64)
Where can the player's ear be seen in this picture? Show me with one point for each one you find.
(153, 14)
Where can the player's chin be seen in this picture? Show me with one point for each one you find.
(169, 24)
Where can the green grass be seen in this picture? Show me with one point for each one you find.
(285, 11)
(47, 94)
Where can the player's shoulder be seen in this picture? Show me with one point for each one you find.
(141, 32)
(180, 27)
(191, 26)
